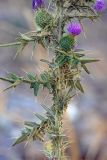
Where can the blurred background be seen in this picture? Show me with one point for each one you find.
(86, 117)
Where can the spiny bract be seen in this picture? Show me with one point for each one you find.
(43, 18)
(67, 42)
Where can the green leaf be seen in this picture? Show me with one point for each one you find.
(79, 86)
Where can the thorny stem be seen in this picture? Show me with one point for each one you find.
(58, 153)
(57, 139)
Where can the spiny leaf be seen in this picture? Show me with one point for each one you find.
(48, 110)
(30, 124)
(31, 76)
(69, 91)
(87, 60)
(39, 136)
(61, 59)
(48, 86)
(33, 48)
(85, 68)
(21, 139)
(13, 76)
(79, 55)
(25, 37)
(35, 86)
(45, 61)
(20, 48)
(44, 77)
(10, 44)
(32, 133)
(79, 86)
(74, 62)
(51, 64)
(36, 134)
(40, 117)
(13, 85)
(79, 50)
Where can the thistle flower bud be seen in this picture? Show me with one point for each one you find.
(99, 5)
(43, 18)
(67, 43)
(37, 4)
(73, 28)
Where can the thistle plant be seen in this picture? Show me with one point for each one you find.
(58, 31)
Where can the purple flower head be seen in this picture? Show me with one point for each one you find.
(37, 4)
(74, 28)
(99, 5)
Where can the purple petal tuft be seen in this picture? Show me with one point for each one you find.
(99, 5)
(74, 28)
(37, 4)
